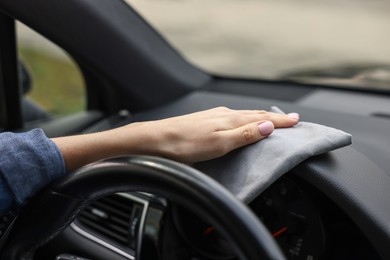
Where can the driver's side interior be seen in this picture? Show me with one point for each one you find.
(316, 211)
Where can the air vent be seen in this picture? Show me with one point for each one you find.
(114, 219)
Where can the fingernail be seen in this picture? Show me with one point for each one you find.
(266, 128)
(293, 115)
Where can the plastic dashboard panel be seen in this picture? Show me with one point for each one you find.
(369, 134)
(358, 183)
(358, 186)
(334, 100)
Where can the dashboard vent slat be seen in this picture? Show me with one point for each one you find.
(110, 218)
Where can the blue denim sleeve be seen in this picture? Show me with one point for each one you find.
(28, 162)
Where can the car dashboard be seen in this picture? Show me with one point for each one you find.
(318, 210)
(305, 223)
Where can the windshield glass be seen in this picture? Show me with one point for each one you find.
(338, 42)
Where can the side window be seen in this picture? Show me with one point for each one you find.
(53, 84)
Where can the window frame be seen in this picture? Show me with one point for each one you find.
(10, 89)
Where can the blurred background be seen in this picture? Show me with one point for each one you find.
(57, 84)
(336, 42)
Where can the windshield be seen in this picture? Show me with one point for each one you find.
(338, 42)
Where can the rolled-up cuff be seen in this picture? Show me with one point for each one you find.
(28, 162)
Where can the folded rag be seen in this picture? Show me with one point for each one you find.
(248, 171)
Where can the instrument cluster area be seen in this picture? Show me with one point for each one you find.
(293, 219)
(304, 222)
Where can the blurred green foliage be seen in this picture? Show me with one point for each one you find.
(57, 84)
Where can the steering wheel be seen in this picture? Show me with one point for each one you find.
(52, 210)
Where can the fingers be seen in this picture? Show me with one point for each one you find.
(255, 125)
(281, 120)
(246, 134)
(236, 118)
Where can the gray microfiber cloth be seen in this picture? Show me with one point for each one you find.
(248, 171)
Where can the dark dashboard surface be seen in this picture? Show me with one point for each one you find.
(345, 175)
(327, 213)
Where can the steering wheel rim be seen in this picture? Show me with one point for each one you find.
(52, 210)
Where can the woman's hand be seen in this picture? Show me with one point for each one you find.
(209, 134)
(189, 138)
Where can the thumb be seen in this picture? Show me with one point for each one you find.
(265, 128)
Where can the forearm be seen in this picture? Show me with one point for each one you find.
(80, 150)
(190, 138)
(29, 161)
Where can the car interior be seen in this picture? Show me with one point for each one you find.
(330, 206)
